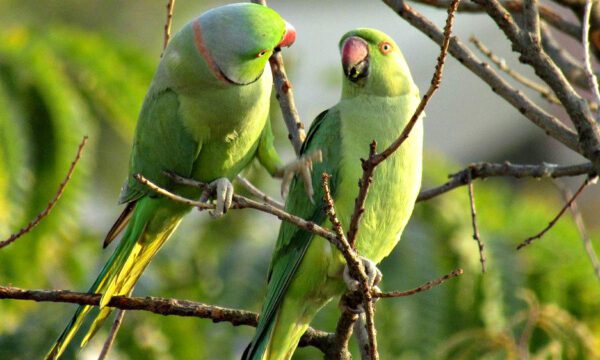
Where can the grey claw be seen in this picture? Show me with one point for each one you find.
(373, 273)
(303, 167)
(351, 283)
(223, 190)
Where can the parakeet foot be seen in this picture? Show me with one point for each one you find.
(303, 167)
(374, 275)
(223, 192)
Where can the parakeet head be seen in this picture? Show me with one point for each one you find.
(237, 40)
(373, 64)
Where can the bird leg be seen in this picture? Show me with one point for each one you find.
(222, 189)
(374, 277)
(303, 167)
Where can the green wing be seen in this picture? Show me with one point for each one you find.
(293, 242)
(161, 143)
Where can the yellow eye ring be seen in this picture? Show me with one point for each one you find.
(385, 47)
(262, 53)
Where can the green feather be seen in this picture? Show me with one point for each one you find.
(306, 272)
(205, 116)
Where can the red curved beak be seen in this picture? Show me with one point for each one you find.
(354, 51)
(289, 37)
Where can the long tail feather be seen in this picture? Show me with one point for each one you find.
(120, 224)
(152, 223)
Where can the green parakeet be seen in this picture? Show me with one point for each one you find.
(204, 117)
(378, 99)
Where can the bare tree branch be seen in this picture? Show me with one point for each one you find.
(532, 53)
(317, 338)
(241, 202)
(108, 343)
(356, 268)
(531, 23)
(343, 332)
(550, 124)
(476, 235)
(570, 67)
(585, 238)
(258, 192)
(585, 42)
(168, 25)
(285, 96)
(52, 203)
(427, 286)
(550, 225)
(485, 170)
(543, 90)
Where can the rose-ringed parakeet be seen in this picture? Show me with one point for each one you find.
(378, 99)
(204, 117)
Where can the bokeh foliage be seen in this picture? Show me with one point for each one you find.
(61, 83)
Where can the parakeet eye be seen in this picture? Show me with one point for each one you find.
(262, 53)
(385, 47)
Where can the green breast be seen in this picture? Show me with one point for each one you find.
(228, 123)
(396, 181)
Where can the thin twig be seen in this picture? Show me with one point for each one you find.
(572, 68)
(531, 53)
(531, 23)
(427, 286)
(363, 189)
(375, 158)
(52, 203)
(548, 14)
(543, 90)
(317, 338)
(585, 42)
(548, 123)
(551, 224)
(476, 235)
(585, 238)
(168, 24)
(506, 169)
(436, 80)
(112, 335)
(240, 202)
(285, 96)
(356, 268)
(330, 208)
(252, 189)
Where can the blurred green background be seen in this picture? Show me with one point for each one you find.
(69, 68)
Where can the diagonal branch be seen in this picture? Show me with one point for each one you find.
(375, 158)
(357, 271)
(533, 54)
(552, 222)
(168, 25)
(285, 96)
(587, 62)
(52, 203)
(252, 189)
(500, 63)
(550, 124)
(585, 237)
(240, 202)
